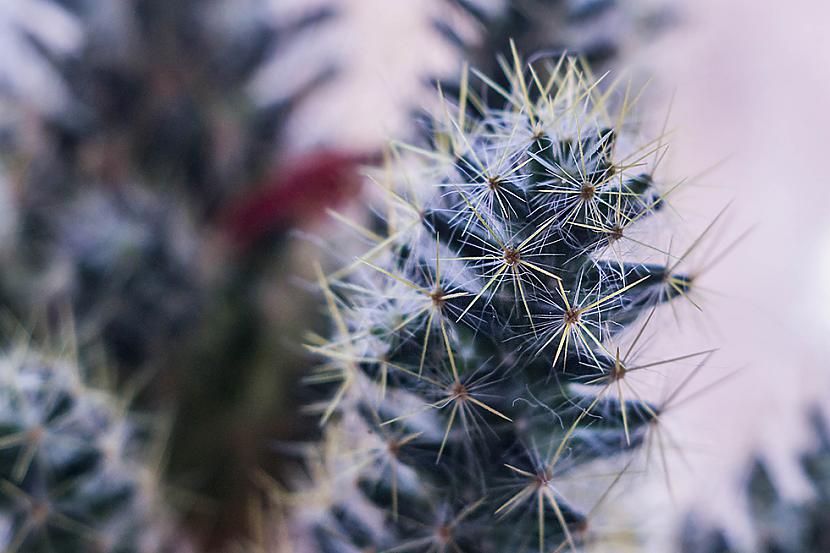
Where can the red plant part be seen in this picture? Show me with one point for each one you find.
(296, 195)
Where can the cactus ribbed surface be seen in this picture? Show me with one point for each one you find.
(475, 344)
(75, 469)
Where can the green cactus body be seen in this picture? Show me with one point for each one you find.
(474, 343)
(73, 468)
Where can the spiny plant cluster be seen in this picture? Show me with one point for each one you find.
(76, 471)
(477, 354)
(780, 524)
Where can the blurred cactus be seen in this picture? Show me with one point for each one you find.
(155, 142)
(148, 198)
(597, 30)
(780, 524)
(78, 473)
(476, 349)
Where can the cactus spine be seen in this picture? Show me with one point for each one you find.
(475, 344)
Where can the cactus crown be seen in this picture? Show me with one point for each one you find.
(474, 342)
(73, 468)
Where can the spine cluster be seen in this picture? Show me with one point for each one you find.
(75, 475)
(478, 348)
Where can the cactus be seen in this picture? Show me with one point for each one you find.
(151, 202)
(780, 525)
(535, 26)
(76, 470)
(598, 30)
(477, 344)
(154, 142)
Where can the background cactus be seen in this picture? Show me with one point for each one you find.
(156, 144)
(780, 524)
(152, 202)
(595, 29)
(477, 344)
(78, 473)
